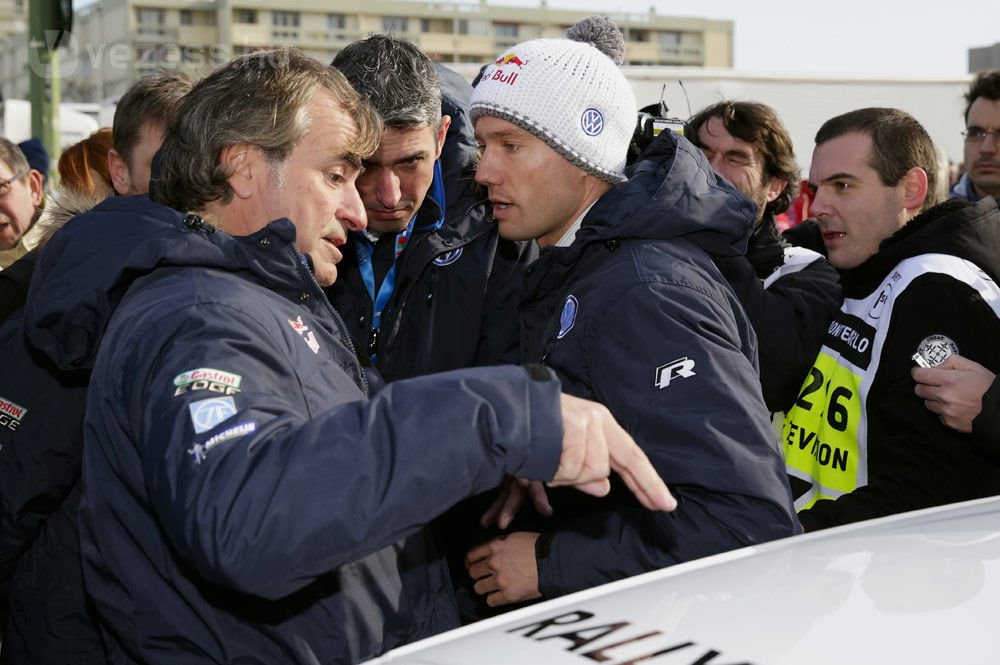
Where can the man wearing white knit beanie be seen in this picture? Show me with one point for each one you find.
(574, 98)
(625, 304)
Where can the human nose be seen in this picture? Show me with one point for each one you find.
(486, 171)
(990, 142)
(351, 212)
(819, 206)
(715, 161)
(387, 188)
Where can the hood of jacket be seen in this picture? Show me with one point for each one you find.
(458, 157)
(672, 192)
(86, 268)
(956, 227)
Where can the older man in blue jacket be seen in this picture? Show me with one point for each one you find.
(244, 499)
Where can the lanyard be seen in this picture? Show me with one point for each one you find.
(365, 249)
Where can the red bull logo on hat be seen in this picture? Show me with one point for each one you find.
(510, 59)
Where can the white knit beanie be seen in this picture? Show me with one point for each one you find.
(570, 93)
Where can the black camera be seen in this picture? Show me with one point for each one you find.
(652, 120)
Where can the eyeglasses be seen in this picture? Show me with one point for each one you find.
(978, 135)
(6, 184)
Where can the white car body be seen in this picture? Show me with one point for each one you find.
(922, 587)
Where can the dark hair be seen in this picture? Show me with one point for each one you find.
(150, 100)
(985, 85)
(260, 99)
(398, 79)
(760, 126)
(899, 143)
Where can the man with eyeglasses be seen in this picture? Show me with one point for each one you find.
(20, 196)
(982, 139)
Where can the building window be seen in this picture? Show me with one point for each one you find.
(150, 16)
(336, 21)
(669, 38)
(246, 16)
(285, 19)
(150, 21)
(473, 27)
(638, 35)
(186, 18)
(425, 25)
(394, 24)
(505, 30)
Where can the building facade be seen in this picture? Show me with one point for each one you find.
(986, 57)
(116, 41)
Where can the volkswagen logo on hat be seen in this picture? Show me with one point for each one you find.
(592, 122)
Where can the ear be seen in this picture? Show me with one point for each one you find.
(442, 134)
(118, 168)
(241, 162)
(775, 186)
(914, 189)
(37, 187)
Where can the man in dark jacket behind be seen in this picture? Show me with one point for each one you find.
(920, 285)
(789, 293)
(625, 304)
(244, 499)
(429, 285)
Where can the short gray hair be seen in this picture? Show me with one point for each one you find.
(13, 157)
(398, 79)
(259, 99)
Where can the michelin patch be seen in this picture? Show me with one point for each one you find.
(206, 378)
(934, 350)
(568, 317)
(207, 413)
(11, 414)
(305, 333)
(200, 450)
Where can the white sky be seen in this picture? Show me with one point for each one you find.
(929, 37)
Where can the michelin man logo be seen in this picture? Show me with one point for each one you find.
(592, 122)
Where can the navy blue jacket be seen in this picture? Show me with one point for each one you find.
(457, 286)
(635, 315)
(41, 443)
(244, 500)
(791, 295)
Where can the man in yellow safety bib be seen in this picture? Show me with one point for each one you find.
(920, 284)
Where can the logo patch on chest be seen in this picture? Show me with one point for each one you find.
(568, 317)
(305, 333)
(448, 258)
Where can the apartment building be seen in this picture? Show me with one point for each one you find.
(115, 41)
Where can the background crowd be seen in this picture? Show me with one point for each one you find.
(305, 361)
